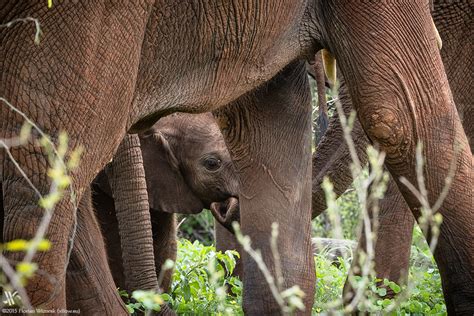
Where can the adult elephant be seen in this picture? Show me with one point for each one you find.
(115, 79)
(187, 168)
(332, 158)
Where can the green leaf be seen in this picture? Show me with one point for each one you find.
(149, 299)
(186, 291)
(123, 293)
(382, 291)
(130, 309)
(395, 287)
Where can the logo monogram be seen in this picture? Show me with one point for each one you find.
(10, 298)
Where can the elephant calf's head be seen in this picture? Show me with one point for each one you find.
(188, 167)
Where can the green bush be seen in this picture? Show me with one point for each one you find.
(202, 284)
(202, 281)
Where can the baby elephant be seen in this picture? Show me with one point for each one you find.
(187, 168)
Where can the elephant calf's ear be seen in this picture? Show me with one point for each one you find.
(168, 190)
(173, 161)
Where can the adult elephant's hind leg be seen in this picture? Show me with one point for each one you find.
(268, 133)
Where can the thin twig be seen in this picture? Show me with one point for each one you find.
(38, 31)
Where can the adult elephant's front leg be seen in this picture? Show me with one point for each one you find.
(268, 133)
(82, 85)
(22, 219)
(399, 87)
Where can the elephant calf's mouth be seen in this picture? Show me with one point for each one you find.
(226, 212)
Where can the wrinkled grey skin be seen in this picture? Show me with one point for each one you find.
(229, 58)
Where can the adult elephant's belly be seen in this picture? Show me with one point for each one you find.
(210, 65)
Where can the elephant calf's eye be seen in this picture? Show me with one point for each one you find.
(212, 164)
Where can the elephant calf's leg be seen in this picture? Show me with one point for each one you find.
(89, 284)
(394, 232)
(164, 245)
